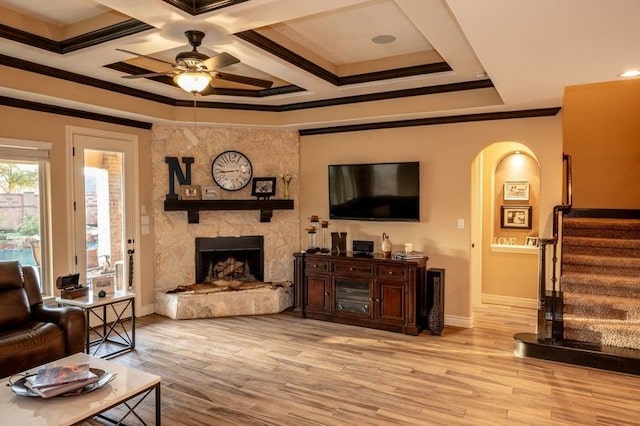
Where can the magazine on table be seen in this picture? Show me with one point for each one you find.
(65, 388)
(53, 376)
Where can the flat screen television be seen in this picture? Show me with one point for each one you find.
(381, 191)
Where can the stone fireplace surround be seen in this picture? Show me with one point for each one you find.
(209, 254)
(271, 153)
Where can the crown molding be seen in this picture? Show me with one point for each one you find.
(92, 38)
(451, 119)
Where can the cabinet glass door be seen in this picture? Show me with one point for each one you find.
(352, 296)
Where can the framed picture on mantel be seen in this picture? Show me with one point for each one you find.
(263, 187)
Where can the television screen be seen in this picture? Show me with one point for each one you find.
(383, 191)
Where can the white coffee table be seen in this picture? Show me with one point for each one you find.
(129, 383)
(109, 330)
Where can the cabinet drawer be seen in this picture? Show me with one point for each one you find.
(312, 266)
(389, 271)
(353, 268)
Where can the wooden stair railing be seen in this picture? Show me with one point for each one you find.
(549, 326)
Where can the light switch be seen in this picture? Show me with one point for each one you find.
(460, 223)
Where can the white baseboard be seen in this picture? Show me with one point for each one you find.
(456, 321)
(494, 299)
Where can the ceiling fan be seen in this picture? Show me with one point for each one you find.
(194, 71)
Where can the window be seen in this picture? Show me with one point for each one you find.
(24, 206)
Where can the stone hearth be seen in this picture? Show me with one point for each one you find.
(257, 301)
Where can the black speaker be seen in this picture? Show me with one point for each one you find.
(362, 247)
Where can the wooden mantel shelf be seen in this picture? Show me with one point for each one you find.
(193, 207)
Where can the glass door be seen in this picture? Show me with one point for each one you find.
(103, 204)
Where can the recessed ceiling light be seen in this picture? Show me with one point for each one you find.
(383, 39)
(630, 73)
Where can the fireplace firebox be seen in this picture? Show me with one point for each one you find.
(240, 257)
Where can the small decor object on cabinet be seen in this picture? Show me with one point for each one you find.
(338, 242)
(518, 217)
(263, 187)
(386, 245)
(516, 190)
(190, 192)
(313, 240)
(105, 284)
(231, 170)
(210, 193)
(324, 225)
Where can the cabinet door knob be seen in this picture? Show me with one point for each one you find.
(351, 269)
(390, 272)
(326, 293)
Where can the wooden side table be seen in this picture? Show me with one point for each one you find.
(111, 327)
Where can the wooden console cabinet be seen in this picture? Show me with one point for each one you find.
(371, 291)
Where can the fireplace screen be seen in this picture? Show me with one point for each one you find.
(232, 258)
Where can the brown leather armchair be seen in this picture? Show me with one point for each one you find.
(31, 333)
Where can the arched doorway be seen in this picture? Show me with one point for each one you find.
(505, 225)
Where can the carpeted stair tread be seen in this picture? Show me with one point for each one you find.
(606, 285)
(600, 264)
(601, 306)
(601, 246)
(600, 223)
(621, 333)
(601, 228)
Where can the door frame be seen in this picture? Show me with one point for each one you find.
(134, 209)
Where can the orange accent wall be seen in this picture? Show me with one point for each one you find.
(601, 131)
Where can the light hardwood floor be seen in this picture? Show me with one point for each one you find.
(282, 370)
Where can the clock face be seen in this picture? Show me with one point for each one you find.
(231, 170)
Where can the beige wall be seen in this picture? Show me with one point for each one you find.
(602, 135)
(39, 126)
(445, 153)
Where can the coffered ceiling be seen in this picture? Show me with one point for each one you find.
(475, 55)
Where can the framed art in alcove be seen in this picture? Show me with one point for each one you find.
(516, 190)
(518, 217)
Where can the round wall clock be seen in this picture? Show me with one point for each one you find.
(231, 170)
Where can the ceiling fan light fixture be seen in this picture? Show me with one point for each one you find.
(193, 81)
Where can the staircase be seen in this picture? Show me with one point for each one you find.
(591, 315)
(600, 281)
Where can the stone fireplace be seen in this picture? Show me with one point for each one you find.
(240, 258)
(218, 261)
(271, 153)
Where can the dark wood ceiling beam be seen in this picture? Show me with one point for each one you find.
(14, 34)
(92, 38)
(71, 112)
(290, 56)
(463, 118)
(112, 32)
(81, 79)
(301, 62)
(197, 7)
(393, 94)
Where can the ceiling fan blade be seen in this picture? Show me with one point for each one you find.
(149, 74)
(146, 56)
(265, 84)
(220, 60)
